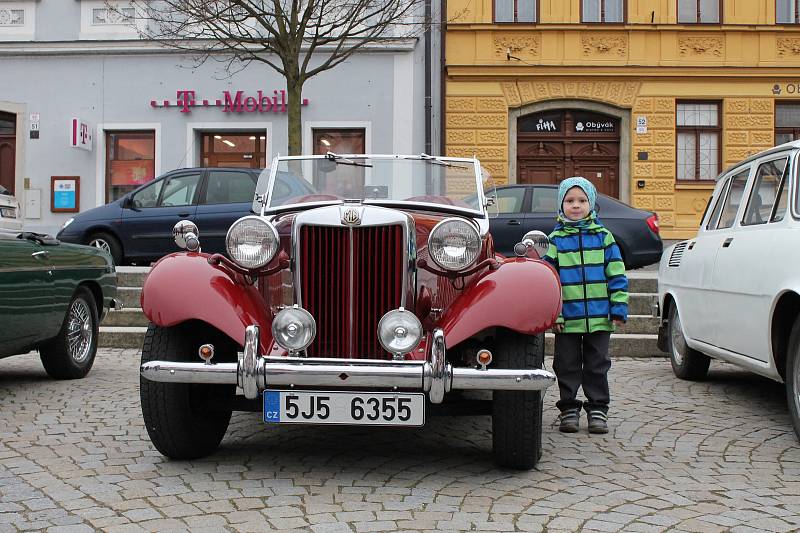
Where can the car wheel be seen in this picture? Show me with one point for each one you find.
(687, 363)
(793, 376)
(109, 243)
(71, 353)
(184, 421)
(517, 416)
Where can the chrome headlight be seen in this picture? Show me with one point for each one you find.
(252, 242)
(294, 328)
(399, 331)
(454, 244)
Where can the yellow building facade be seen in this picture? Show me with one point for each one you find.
(507, 84)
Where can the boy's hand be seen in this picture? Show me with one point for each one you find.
(558, 328)
(618, 322)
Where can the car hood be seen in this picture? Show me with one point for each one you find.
(103, 212)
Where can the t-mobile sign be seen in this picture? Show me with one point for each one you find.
(231, 102)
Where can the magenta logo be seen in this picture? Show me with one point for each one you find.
(231, 102)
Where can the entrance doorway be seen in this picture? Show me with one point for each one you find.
(553, 145)
(239, 149)
(8, 150)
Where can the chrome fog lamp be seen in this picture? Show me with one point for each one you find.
(186, 235)
(454, 244)
(294, 328)
(533, 239)
(399, 331)
(252, 242)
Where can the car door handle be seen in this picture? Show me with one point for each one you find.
(513, 222)
(41, 254)
(183, 215)
(727, 242)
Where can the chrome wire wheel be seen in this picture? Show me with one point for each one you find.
(678, 341)
(102, 244)
(79, 331)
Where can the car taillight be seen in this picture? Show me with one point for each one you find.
(652, 221)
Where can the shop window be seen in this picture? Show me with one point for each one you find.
(603, 11)
(340, 141)
(698, 135)
(787, 11)
(130, 161)
(515, 10)
(787, 122)
(698, 11)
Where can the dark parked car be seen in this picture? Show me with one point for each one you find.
(523, 208)
(138, 227)
(52, 298)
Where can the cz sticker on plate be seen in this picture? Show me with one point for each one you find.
(338, 407)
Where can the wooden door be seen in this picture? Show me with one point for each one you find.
(554, 145)
(7, 159)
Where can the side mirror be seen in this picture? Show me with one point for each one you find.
(535, 240)
(127, 202)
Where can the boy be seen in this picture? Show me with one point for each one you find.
(594, 291)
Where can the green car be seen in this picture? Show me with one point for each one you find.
(53, 296)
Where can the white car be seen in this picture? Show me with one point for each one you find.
(10, 213)
(733, 291)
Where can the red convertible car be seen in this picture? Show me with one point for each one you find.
(371, 300)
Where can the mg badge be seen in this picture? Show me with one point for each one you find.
(351, 216)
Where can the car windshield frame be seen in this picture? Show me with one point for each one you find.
(363, 160)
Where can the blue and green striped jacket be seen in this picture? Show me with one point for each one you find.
(594, 287)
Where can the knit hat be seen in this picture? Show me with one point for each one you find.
(576, 181)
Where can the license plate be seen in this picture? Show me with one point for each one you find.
(337, 407)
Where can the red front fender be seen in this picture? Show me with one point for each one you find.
(184, 286)
(521, 294)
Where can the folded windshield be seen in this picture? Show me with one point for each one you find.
(454, 183)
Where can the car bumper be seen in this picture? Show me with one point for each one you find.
(435, 377)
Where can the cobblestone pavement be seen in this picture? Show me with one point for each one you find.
(713, 456)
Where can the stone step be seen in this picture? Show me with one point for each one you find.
(639, 303)
(627, 345)
(638, 282)
(126, 317)
(134, 317)
(129, 276)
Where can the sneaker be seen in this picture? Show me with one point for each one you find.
(569, 420)
(598, 422)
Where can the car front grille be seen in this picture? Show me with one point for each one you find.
(349, 278)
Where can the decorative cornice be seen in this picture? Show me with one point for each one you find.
(698, 46)
(516, 44)
(604, 45)
(788, 46)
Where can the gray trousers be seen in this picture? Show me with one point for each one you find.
(581, 359)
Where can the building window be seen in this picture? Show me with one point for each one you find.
(113, 19)
(130, 161)
(17, 20)
(787, 122)
(515, 10)
(603, 11)
(698, 129)
(698, 11)
(787, 11)
(340, 141)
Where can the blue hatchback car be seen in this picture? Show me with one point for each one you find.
(137, 228)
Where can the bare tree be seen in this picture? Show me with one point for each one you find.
(297, 38)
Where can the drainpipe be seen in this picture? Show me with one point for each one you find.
(428, 89)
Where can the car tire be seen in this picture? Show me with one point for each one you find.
(793, 376)
(687, 363)
(109, 243)
(517, 416)
(184, 421)
(70, 355)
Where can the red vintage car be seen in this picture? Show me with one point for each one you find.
(371, 301)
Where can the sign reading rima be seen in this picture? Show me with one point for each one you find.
(231, 102)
